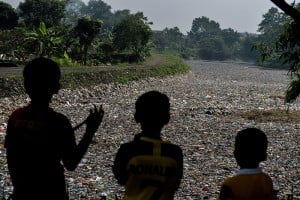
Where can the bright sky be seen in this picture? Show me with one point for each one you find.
(240, 15)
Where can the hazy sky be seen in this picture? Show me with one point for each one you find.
(241, 15)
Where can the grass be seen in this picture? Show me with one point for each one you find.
(157, 65)
(73, 77)
(274, 115)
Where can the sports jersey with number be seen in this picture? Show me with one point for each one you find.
(150, 169)
(248, 184)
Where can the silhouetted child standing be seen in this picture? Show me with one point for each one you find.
(148, 167)
(40, 142)
(250, 183)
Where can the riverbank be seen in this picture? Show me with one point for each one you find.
(228, 90)
(11, 82)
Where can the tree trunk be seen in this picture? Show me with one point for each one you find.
(288, 9)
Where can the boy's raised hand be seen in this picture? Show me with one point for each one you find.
(94, 119)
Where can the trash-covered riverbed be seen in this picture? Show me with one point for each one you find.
(205, 107)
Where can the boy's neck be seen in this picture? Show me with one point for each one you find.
(151, 133)
(39, 107)
(249, 166)
(249, 171)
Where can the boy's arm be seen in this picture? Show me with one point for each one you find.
(119, 167)
(73, 157)
(11, 151)
(180, 168)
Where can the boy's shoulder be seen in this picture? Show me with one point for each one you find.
(238, 187)
(141, 145)
(241, 178)
(26, 112)
(140, 139)
(19, 112)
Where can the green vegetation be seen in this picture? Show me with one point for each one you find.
(206, 40)
(86, 30)
(285, 45)
(87, 34)
(270, 28)
(74, 77)
(8, 17)
(132, 38)
(275, 115)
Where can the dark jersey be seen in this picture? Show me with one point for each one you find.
(36, 144)
(149, 169)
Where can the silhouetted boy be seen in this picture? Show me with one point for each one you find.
(250, 183)
(148, 167)
(40, 142)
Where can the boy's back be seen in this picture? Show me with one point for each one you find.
(149, 168)
(248, 185)
(40, 142)
(35, 143)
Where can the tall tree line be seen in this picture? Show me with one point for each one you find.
(206, 40)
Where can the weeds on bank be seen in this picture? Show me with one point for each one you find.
(73, 77)
(274, 115)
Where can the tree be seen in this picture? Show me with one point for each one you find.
(33, 12)
(173, 36)
(43, 41)
(73, 11)
(272, 24)
(170, 40)
(203, 27)
(206, 38)
(12, 44)
(105, 49)
(160, 42)
(86, 30)
(97, 9)
(270, 28)
(132, 36)
(288, 9)
(119, 15)
(213, 48)
(246, 51)
(289, 44)
(230, 37)
(8, 16)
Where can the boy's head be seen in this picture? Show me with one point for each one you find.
(250, 147)
(152, 110)
(41, 80)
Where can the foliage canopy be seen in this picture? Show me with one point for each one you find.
(8, 16)
(132, 36)
(33, 12)
(286, 45)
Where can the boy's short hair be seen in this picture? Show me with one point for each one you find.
(152, 107)
(41, 72)
(251, 144)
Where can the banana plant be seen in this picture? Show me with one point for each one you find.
(43, 41)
